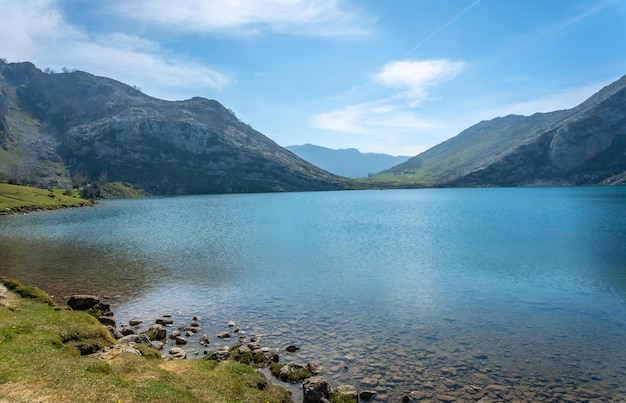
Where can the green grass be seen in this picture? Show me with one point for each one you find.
(16, 199)
(40, 360)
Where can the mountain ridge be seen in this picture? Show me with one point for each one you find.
(348, 162)
(577, 146)
(74, 127)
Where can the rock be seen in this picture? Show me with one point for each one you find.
(115, 333)
(157, 344)
(223, 335)
(177, 353)
(105, 320)
(231, 324)
(167, 315)
(164, 322)
(316, 389)
(140, 339)
(293, 372)
(445, 398)
(126, 331)
(255, 339)
(367, 395)
(315, 368)
(244, 350)
(348, 390)
(254, 346)
(195, 318)
(221, 356)
(204, 340)
(180, 340)
(135, 322)
(83, 302)
(174, 334)
(292, 349)
(159, 332)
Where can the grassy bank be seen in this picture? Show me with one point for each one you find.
(40, 360)
(23, 199)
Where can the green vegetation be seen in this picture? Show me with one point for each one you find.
(40, 360)
(18, 199)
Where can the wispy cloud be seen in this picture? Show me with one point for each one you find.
(248, 17)
(413, 78)
(394, 116)
(37, 27)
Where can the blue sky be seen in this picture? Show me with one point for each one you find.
(391, 76)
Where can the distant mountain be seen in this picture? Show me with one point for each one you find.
(585, 145)
(74, 127)
(347, 162)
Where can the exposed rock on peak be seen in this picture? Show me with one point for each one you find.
(77, 127)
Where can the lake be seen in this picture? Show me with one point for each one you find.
(518, 293)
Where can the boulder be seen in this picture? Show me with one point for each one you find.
(107, 320)
(223, 335)
(115, 333)
(164, 322)
(83, 302)
(367, 395)
(293, 372)
(220, 355)
(135, 322)
(176, 353)
(314, 368)
(180, 340)
(159, 332)
(316, 390)
(127, 330)
(292, 349)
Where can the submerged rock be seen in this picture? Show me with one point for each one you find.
(83, 302)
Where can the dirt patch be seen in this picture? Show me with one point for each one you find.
(7, 298)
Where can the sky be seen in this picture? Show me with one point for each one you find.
(385, 76)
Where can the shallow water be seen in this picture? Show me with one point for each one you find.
(392, 291)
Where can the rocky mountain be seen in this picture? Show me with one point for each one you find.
(348, 162)
(584, 145)
(74, 128)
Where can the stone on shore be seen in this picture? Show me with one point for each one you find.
(107, 321)
(164, 322)
(83, 302)
(176, 353)
(292, 349)
(223, 335)
(316, 389)
(314, 368)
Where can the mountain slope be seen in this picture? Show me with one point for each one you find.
(348, 162)
(583, 145)
(75, 127)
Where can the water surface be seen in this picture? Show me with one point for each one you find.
(395, 291)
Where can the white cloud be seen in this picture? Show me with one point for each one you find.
(415, 77)
(247, 17)
(40, 34)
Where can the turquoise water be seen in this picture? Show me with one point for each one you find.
(388, 290)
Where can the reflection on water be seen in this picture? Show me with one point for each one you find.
(436, 291)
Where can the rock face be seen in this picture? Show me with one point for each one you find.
(94, 129)
(579, 146)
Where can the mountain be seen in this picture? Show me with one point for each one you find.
(348, 162)
(585, 145)
(73, 127)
